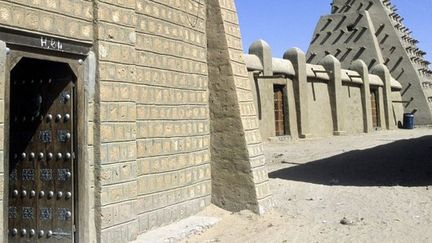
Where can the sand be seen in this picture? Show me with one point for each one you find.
(365, 188)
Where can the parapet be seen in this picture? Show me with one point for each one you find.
(277, 66)
(301, 99)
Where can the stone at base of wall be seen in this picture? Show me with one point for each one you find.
(178, 231)
(339, 133)
(265, 205)
(280, 138)
(304, 136)
(152, 220)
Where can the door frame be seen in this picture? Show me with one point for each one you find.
(282, 88)
(83, 67)
(375, 91)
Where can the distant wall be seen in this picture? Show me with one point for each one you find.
(354, 123)
(320, 114)
(398, 107)
(321, 99)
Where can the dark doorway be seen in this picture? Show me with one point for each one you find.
(41, 152)
(279, 108)
(375, 108)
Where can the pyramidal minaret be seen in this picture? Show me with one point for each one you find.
(373, 31)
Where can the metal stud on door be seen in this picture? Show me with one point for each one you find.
(41, 195)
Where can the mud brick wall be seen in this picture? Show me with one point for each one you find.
(153, 111)
(172, 111)
(147, 112)
(239, 176)
(115, 110)
(321, 99)
(71, 19)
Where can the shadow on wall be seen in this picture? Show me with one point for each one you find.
(405, 163)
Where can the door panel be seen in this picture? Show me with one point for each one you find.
(374, 107)
(41, 152)
(279, 107)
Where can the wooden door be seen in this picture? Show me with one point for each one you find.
(41, 153)
(279, 108)
(374, 108)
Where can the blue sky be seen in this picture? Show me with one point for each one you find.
(291, 23)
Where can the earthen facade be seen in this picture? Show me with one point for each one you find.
(165, 121)
(296, 99)
(374, 32)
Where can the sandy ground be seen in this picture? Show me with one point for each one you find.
(366, 188)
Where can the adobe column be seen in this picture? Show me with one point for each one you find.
(333, 68)
(361, 67)
(263, 51)
(298, 60)
(382, 71)
(239, 175)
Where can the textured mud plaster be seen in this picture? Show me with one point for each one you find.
(239, 178)
(373, 31)
(333, 68)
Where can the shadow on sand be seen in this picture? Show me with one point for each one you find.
(405, 163)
